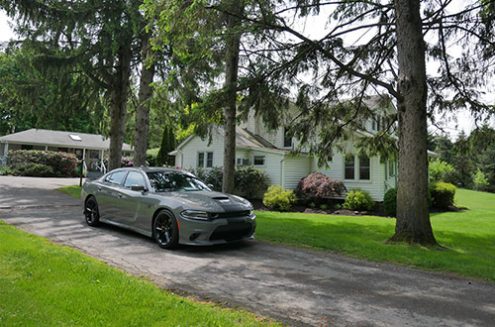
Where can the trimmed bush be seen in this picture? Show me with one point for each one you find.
(61, 164)
(317, 187)
(276, 198)
(390, 202)
(442, 195)
(4, 171)
(250, 182)
(359, 200)
(34, 169)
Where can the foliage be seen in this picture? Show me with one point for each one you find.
(439, 170)
(466, 236)
(42, 163)
(72, 190)
(151, 155)
(318, 187)
(60, 282)
(250, 182)
(277, 198)
(5, 170)
(358, 200)
(167, 145)
(442, 195)
(390, 202)
(480, 182)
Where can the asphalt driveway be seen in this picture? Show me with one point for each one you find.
(299, 287)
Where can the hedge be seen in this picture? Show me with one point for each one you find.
(42, 163)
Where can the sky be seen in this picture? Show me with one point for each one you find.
(452, 124)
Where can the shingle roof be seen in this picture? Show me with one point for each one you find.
(60, 139)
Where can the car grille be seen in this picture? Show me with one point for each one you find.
(232, 231)
(231, 214)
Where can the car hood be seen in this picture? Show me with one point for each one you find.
(209, 201)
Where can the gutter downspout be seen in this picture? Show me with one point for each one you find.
(282, 182)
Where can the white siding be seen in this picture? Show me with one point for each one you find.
(187, 156)
(295, 168)
(272, 166)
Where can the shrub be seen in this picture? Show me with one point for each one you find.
(480, 182)
(442, 195)
(126, 162)
(276, 198)
(359, 200)
(250, 182)
(317, 187)
(34, 169)
(62, 164)
(4, 171)
(390, 202)
(151, 156)
(440, 171)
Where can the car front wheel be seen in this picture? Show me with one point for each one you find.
(165, 230)
(91, 212)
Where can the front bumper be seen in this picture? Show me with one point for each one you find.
(216, 231)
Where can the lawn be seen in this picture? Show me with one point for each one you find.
(44, 284)
(73, 190)
(468, 237)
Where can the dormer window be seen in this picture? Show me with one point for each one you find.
(287, 139)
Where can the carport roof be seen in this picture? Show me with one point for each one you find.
(62, 139)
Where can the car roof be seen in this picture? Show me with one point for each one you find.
(154, 169)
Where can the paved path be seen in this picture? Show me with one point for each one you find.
(299, 287)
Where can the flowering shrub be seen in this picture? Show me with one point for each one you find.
(42, 163)
(317, 187)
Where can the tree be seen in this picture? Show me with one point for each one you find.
(168, 144)
(99, 38)
(388, 56)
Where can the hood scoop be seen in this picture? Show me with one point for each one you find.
(221, 198)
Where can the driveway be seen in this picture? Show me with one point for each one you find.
(299, 287)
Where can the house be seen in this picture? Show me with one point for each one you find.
(92, 147)
(271, 151)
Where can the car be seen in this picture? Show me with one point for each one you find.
(169, 205)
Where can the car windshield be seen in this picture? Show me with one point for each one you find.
(167, 181)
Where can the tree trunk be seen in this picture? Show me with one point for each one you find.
(143, 109)
(118, 110)
(233, 37)
(413, 220)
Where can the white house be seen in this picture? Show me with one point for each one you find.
(270, 151)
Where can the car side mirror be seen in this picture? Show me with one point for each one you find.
(138, 188)
(210, 186)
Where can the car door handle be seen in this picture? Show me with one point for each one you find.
(120, 196)
(99, 189)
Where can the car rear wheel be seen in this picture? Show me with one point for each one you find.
(91, 212)
(165, 230)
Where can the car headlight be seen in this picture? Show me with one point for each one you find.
(195, 214)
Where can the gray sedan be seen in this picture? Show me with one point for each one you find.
(169, 205)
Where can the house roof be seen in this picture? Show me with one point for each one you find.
(243, 139)
(60, 139)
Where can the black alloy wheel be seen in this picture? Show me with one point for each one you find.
(165, 230)
(91, 212)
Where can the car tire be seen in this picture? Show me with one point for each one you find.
(165, 230)
(91, 213)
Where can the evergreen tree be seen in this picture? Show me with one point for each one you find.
(168, 144)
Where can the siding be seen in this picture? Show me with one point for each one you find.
(295, 168)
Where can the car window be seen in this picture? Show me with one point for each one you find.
(164, 181)
(134, 178)
(116, 178)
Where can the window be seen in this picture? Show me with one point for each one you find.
(391, 168)
(242, 162)
(116, 178)
(134, 178)
(208, 163)
(349, 166)
(259, 160)
(169, 181)
(209, 159)
(364, 167)
(287, 139)
(201, 159)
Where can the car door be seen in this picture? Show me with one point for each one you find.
(132, 202)
(108, 195)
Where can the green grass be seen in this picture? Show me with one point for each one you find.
(468, 236)
(43, 284)
(73, 190)
(153, 152)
